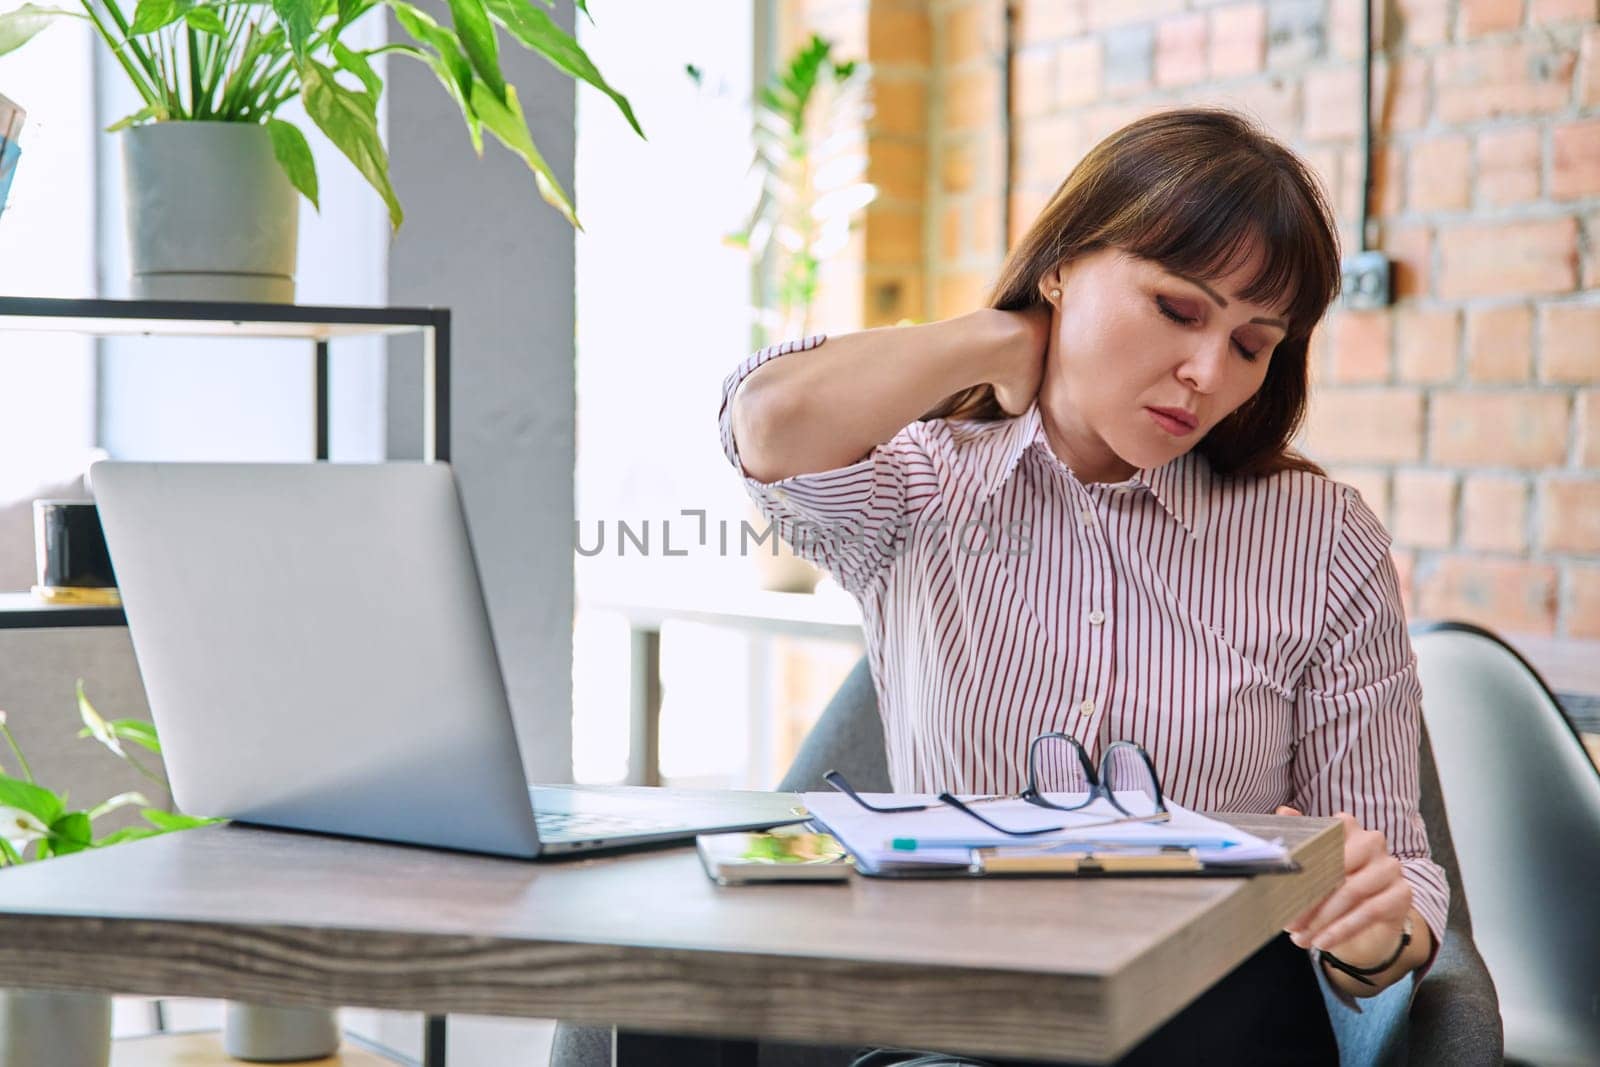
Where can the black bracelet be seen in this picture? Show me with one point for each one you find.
(1361, 974)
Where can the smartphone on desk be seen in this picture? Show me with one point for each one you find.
(785, 854)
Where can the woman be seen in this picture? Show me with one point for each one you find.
(1077, 509)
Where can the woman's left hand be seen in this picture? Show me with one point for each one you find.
(1360, 921)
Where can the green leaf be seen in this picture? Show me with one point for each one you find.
(299, 17)
(476, 34)
(121, 800)
(538, 32)
(150, 111)
(152, 15)
(450, 64)
(508, 123)
(18, 27)
(356, 63)
(8, 853)
(70, 833)
(128, 833)
(205, 20)
(294, 156)
(166, 821)
(34, 800)
(97, 727)
(350, 120)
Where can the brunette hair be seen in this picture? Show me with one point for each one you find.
(1192, 189)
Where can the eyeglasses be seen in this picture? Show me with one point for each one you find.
(1061, 777)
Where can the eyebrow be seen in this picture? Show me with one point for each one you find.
(1222, 301)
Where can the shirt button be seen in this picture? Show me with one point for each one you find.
(781, 494)
(1096, 618)
(1086, 708)
(1086, 517)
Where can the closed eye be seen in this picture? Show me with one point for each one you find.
(1189, 321)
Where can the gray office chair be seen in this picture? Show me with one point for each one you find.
(1526, 801)
(1454, 1016)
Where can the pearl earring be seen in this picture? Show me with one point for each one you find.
(1055, 294)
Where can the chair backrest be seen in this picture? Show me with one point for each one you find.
(847, 737)
(1525, 804)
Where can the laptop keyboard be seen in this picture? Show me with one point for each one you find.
(566, 826)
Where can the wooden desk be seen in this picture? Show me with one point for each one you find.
(1027, 968)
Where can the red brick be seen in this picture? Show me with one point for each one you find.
(1048, 20)
(1238, 40)
(894, 236)
(1426, 343)
(1388, 181)
(1545, 12)
(899, 107)
(1371, 482)
(1499, 259)
(899, 169)
(1103, 13)
(1500, 344)
(1505, 595)
(1033, 82)
(1501, 78)
(1508, 165)
(953, 241)
(1078, 70)
(1494, 513)
(1274, 101)
(1575, 160)
(1048, 148)
(1589, 71)
(1181, 50)
(1591, 253)
(1360, 349)
(1411, 248)
(1425, 21)
(958, 292)
(1582, 614)
(900, 36)
(1440, 177)
(1503, 428)
(1332, 103)
(1569, 343)
(971, 31)
(1424, 508)
(1407, 108)
(1405, 572)
(1569, 515)
(1027, 201)
(1479, 17)
(972, 99)
(1589, 428)
(958, 163)
(1365, 425)
(1344, 27)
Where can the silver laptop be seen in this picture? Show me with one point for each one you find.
(317, 653)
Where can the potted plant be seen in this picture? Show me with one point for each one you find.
(213, 172)
(55, 1028)
(808, 166)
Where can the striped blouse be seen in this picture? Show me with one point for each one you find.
(1248, 634)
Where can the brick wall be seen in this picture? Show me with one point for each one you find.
(1469, 413)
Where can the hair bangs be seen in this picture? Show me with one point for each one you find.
(1213, 223)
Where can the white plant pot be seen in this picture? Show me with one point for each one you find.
(211, 214)
(264, 1033)
(54, 1028)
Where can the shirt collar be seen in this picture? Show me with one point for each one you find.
(1182, 487)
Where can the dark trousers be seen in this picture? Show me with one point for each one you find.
(1268, 1010)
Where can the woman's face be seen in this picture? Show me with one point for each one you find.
(1144, 362)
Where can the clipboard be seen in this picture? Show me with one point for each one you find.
(1189, 845)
